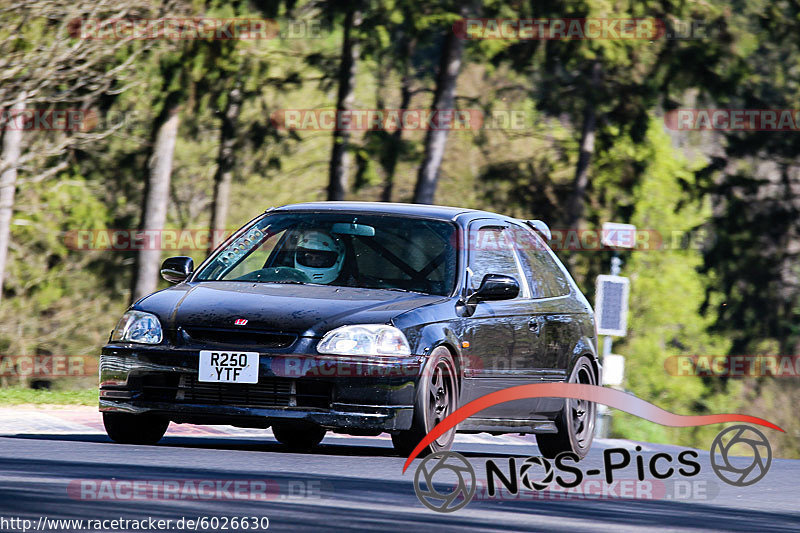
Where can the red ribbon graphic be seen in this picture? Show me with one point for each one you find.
(593, 393)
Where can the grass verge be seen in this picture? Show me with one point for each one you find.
(22, 395)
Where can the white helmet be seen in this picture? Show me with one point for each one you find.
(319, 255)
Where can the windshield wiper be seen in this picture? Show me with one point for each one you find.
(283, 282)
(396, 289)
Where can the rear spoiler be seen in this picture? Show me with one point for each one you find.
(541, 228)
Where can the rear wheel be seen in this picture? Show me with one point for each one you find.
(298, 436)
(127, 428)
(576, 422)
(437, 397)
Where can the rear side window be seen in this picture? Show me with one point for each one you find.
(491, 252)
(546, 278)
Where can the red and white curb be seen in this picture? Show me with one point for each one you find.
(86, 420)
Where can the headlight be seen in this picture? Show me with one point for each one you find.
(138, 326)
(364, 339)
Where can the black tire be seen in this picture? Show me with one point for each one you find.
(437, 397)
(575, 423)
(298, 436)
(125, 428)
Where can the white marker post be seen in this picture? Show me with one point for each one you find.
(611, 311)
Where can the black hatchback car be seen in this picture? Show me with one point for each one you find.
(357, 318)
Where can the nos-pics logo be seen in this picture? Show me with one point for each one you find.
(446, 482)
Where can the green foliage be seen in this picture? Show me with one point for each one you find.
(667, 293)
(23, 396)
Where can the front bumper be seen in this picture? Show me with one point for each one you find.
(347, 394)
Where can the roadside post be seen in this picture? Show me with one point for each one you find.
(611, 313)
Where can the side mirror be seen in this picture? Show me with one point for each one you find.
(495, 287)
(177, 269)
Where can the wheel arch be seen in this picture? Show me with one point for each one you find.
(435, 335)
(456, 359)
(585, 348)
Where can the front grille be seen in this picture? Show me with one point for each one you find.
(267, 393)
(240, 337)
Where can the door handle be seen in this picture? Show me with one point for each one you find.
(535, 325)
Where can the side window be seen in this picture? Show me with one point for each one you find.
(491, 251)
(545, 278)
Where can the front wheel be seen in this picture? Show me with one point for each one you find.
(125, 428)
(575, 423)
(437, 397)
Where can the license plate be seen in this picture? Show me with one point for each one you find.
(228, 367)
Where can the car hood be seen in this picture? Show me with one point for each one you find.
(307, 310)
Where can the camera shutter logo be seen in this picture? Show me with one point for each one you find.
(449, 465)
(546, 479)
(741, 476)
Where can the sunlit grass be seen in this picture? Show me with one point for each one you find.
(21, 395)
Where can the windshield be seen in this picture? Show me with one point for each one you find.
(341, 249)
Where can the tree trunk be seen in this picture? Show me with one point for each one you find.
(12, 146)
(339, 166)
(154, 213)
(397, 135)
(436, 139)
(225, 163)
(576, 202)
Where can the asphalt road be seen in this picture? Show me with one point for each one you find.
(357, 484)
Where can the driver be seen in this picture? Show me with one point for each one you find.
(320, 256)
